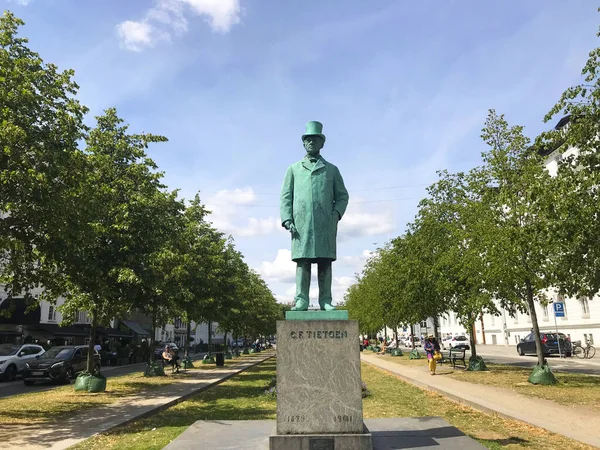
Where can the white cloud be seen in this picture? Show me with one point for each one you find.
(225, 216)
(359, 222)
(21, 2)
(137, 35)
(357, 260)
(282, 269)
(171, 16)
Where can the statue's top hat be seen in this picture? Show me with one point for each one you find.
(314, 128)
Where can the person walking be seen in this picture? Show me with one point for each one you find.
(431, 346)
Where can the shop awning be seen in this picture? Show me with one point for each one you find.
(112, 332)
(71, 330)
(135, 327)
(16, 309)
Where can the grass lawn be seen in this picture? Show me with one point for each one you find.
(573, 388)
(59, 403)
(242, 398)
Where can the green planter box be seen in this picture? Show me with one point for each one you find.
(187, 363)
(154, 369)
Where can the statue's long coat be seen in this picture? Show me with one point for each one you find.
(309, 196)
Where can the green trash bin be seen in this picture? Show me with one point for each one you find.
(82, 381)
(414, 354)
(97, 383)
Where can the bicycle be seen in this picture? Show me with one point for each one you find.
(582, 352)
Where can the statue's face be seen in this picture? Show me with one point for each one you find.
(313, 145)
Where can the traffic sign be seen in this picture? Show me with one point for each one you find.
(559, 309)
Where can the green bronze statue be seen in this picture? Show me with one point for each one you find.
(313, 201)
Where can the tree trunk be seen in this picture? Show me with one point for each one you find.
(472, 339)
(482, 330)
(225, 342)
(534, 323)
(187, 339)
(209, 337)
(91, 361)
(412, 332)
(436, 328)
(153, 339)
(396, 335)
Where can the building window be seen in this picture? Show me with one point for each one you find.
(545, 314)
(591, 339)
(51, 314)
(516, 317)
(585, 307)
(493, 319)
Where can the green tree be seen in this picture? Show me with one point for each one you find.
(41, 123)
(455, 222)
(574, 215)
(520, 252)
(117, 224)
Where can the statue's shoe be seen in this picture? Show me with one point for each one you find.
(327, 307)
(301, 305)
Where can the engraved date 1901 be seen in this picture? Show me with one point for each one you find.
(296, 419)
(342, 418)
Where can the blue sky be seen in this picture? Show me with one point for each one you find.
(402, 88)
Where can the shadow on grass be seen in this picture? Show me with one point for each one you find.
(240, 398)
(503, 442)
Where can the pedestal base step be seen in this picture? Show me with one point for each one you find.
(418, 433)
(361, 441)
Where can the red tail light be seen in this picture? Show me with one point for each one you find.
(544, 339)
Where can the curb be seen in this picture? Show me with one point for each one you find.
(179, 399)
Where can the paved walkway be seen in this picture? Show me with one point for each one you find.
(77, 428)
(582, 424)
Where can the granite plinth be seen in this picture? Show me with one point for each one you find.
(406, 433)
(317, 314)
(318, 377)
(360, 441)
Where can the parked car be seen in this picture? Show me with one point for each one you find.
(58, 364)
(549, 344)
(408, 342)
(14, 357)
(455, 342)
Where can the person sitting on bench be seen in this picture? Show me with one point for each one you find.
(171, 357)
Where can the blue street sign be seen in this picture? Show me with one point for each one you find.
(559, 309)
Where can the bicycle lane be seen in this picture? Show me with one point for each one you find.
(581, 424)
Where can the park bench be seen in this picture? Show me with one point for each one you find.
(457, 354)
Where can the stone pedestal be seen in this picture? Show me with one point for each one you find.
(319, 397)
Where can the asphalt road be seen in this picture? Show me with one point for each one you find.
(17, 387)
(556, 363)
(509, 356)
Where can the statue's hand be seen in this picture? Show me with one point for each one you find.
(336, 214)
(294, 231)
(289, 225)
